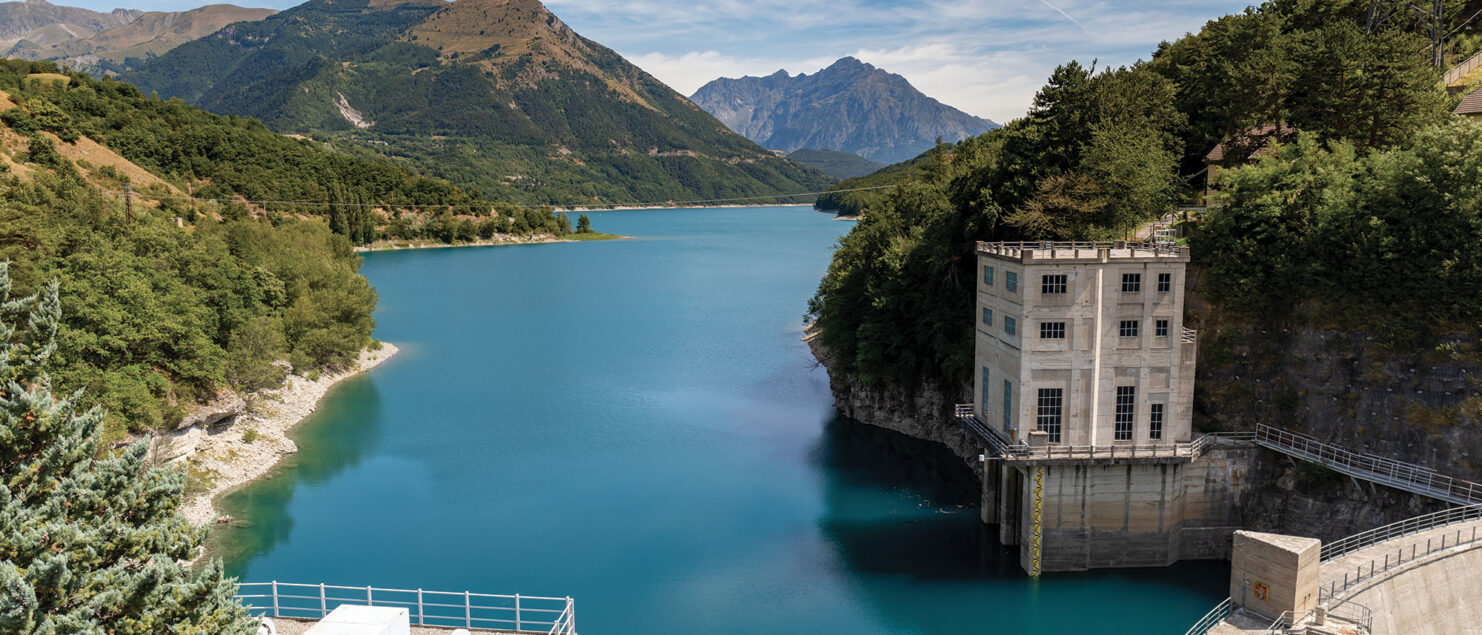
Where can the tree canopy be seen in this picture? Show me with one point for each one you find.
(89, 543)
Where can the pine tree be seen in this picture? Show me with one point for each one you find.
(88, 543)
(583, 224)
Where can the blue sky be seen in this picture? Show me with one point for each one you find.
(986, 57)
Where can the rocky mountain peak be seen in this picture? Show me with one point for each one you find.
(850, 106)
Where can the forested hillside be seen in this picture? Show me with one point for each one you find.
(171, 296)
(495, 95)
(1102, 151)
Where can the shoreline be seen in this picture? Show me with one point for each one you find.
(537, 239)
(233, 461)
(621, 208)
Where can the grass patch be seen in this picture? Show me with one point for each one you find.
(249, 435)
(199, 481)
(591, 236)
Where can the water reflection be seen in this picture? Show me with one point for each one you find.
(350, 419)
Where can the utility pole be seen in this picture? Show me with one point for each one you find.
(1429, 20)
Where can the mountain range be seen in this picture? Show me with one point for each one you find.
(98, 42)
(500, 95)
(850, 106)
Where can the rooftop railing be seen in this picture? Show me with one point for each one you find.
(1079, 249)
(518, 613)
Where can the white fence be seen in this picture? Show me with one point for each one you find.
(522, 613)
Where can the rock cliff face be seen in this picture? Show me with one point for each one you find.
(1344, 386)
(924, 412)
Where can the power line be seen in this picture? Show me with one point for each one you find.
(484, 205)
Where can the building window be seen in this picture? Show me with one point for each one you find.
(1010, 326)
(1126, 402)
(1052, 330)
(986, 388)
(1155, 421)
(988, 275)
(988, 316)
(1053, 284)
(1131, 283)
(1129, 328)
(1047, 415)
(1008, 405)
(1160, 328)
(1165, 282)
(1011, 280)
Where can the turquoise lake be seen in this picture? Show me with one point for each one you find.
(636, 424)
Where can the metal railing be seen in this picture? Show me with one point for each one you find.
(1460, 70)
(1405, 527)
(1021, 451)
(1190, 336)
(1210, 619)
(1017, 249)
(1350, 612)
(521, 613)
(1405, 554)
(1408, 477)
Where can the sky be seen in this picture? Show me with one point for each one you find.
(985, 57)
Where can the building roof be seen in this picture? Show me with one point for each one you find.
(1251, 137)
(1070, 252)
(1471, 104)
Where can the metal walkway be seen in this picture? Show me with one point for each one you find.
(1402, 476)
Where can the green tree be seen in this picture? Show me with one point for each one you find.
(583, 224)
(88, 544)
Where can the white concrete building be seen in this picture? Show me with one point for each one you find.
(1082, 345)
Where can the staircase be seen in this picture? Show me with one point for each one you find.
(1375, 469)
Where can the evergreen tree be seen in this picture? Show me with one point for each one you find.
(583, 224)
(88, 544)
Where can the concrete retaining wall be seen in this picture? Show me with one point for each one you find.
(1109, 514)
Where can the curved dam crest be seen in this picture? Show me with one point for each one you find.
(638, 425)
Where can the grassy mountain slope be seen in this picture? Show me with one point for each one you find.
(499, 95)
(151, 34)
(47, 23)
(840, 165)
(170, 299)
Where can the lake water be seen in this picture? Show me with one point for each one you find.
(636, 424)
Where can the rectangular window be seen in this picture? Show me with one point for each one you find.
(1126, 402)
(1011, 280)
(988, 316)
(1155, 421)
(1129, 328)
(1047, 414)
(1008, 405)
(1010, 326)
(1052, 330)
(1160, 328)
(1165, 282)
(1131, 283)
(987, 387)
(988, 275)
(1053, 284)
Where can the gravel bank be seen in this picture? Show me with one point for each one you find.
(231, 460)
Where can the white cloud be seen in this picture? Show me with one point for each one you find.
(985, 57)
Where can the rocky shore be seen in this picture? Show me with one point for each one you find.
(497, 240)
(233, 441)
